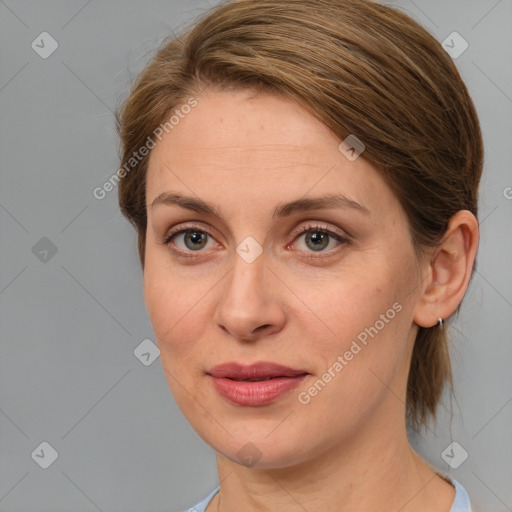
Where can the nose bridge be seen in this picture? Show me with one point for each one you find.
(244, 284)
(246, 304)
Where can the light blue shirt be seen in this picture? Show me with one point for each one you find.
(461, 502)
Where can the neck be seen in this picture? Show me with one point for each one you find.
(372, 471)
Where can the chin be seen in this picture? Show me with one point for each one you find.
(257, 446)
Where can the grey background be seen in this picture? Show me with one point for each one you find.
(70, 324)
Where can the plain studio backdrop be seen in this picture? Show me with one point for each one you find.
(87, 421)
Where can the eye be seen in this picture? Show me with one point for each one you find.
(317, 238)
(193, 239)
(188, 239)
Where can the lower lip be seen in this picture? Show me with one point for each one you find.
(255, 393)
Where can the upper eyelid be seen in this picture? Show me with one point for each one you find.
(183, 228)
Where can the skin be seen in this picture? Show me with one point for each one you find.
(346, 449)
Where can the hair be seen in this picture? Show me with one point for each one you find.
(360, 67)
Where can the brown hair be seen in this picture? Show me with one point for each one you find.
(362, 68)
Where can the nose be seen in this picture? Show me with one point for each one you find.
(250, 306)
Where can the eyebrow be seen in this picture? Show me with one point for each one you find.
(303, 204)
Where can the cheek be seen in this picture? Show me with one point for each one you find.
(176, 307)
(348, 303)
(177, 310)
(362, 318)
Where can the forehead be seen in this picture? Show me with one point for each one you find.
(257, 148)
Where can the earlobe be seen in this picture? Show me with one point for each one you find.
(450, 270)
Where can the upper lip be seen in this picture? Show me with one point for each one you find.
(260, 370)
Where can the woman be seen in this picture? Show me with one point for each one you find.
(304, 185)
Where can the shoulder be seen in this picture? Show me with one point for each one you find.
(461, 502)
(201, 506)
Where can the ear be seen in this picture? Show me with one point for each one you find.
(449, 272)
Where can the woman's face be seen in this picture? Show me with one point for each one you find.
(242, 283)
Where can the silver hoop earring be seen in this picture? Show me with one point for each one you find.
(440, 322)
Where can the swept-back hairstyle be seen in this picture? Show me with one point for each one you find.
(360, 67)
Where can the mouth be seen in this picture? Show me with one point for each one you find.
(254, 372)
(254, 385)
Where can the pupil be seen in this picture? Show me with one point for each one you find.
(195, 238)
(320, 240)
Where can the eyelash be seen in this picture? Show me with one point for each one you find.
(312, 227)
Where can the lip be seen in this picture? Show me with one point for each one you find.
(271, 381)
